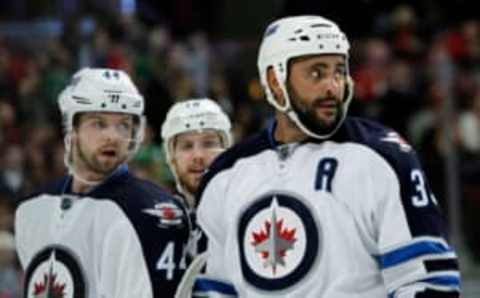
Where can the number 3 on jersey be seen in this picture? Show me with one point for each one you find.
(421, 196)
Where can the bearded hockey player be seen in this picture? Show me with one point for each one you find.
(320, 204)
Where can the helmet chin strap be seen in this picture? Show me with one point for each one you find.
(293, 116)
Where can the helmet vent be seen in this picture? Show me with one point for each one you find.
(124, 106)
(304, 38)
(321, 25)
(104, 105)
(81, 100)
(298, 31)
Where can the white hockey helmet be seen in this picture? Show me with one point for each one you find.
(101, 90)
(195, 115)
(298, 36)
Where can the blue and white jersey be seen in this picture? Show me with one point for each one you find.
(123, 239)
(348, 217)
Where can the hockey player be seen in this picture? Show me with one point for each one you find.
(194, 133)
(321, 204)
(99, 231)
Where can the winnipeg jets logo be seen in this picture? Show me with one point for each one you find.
(393, 137)
(278, 240)
(168, 214)
(49, 287)
(54, 273)
(274, 241)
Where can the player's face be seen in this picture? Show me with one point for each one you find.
(193, 152)
(316, 85)
(101, 142)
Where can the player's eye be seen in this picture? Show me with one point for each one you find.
(185, 146)
(99, 124)
(341, 71)
(213, 143)
(315, 74)
(125, 127)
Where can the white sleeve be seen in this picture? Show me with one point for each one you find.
(123, 272)
(212, 220)
(19, 237)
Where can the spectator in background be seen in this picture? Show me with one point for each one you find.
(404, 35)
(469, 125)
(10, 131)
(12, 170)
(9, 273)
(400, 100)
(371, 76)
(6, 210)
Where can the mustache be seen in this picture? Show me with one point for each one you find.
(321, 101)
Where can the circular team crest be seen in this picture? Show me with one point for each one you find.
(54, 273)
(278, 240)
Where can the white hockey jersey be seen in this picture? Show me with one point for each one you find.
(124, 239)
(349, 217)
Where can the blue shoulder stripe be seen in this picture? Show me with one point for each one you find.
(412, 251)
(210, 285)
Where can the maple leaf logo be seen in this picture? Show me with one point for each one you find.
(49, 288)
(264, 235)
(273, 242)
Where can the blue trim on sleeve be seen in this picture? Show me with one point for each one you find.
(412, 251)
(210, 285)
(450, 281)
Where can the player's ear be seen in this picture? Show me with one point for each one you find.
(274, 85)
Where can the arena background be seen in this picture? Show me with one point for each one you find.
(416, 66)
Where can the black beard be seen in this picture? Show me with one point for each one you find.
(308, 117)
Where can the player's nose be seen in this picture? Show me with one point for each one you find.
(113, 133)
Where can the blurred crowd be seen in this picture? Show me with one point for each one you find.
(422, 82)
